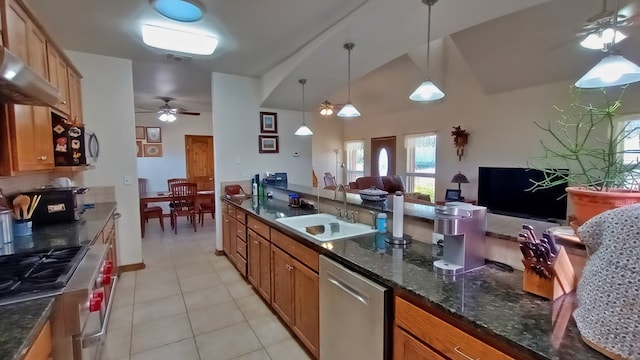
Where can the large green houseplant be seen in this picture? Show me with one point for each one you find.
(588, 140)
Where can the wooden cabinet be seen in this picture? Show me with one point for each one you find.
(295, 291)
(41, 348)
(226, 230)
(239, 242)
(406, 347)
(59, 77)
(259, 264)
(16, 30)
(437, 335)
(75, 97)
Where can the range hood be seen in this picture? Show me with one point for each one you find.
(20, 84)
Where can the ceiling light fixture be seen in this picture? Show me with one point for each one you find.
(167, 116)
(613, 70)
(326, 108)
(348, 110)
(427, 91)
(602, 40)
(303, 130)
(178, 40)
(179, 10)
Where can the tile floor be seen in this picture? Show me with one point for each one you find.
(189, 304)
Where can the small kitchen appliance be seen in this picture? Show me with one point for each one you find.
(57, 204)
(464, 227)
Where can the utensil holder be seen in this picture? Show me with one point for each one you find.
(22, 228)
(562, 278)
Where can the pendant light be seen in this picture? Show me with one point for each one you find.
(348, 110)
(303, 130)
(427, 91)
(613, 70)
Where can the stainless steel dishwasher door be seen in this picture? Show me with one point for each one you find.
(353, 322)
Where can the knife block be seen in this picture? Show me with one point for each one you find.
(562, 278)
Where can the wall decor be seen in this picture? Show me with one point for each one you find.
(460, 138)
(140, 133)
(152, 150)
(268, 144)
(138, 148)
(154, 135)
(268, 122)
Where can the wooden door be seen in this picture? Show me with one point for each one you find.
(265, 268)
(253, 259)
(17, 31)
(199, 159)
(306, 306)
(281, 291)
(37, 51)
(405, 347)
(383, 156)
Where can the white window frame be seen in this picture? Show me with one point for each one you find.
(625, 152)
(409, 144)
(350, 153)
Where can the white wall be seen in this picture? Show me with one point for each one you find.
(327, 137)
(172, 163)
(236, 110)
(108, 110)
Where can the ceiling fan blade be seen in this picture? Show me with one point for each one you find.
(147, 112)
(188, 113)
(146, 108)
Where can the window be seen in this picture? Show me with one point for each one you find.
(354, 152)
(631, 146)
(421, 163)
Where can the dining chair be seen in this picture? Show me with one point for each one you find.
(329, 181)
(207, 207)
(175, 181)
(183, 203)
(150, 212)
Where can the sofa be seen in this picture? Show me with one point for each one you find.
(390, 184)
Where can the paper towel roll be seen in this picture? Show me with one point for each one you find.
(398, 215)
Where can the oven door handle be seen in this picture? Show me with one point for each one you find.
(93, 339)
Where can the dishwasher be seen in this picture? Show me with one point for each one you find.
(355, 321)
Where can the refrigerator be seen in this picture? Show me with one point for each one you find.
(68, 142)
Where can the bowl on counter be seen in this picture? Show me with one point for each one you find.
(373, 194)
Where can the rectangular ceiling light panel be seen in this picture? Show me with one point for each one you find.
(178, 40)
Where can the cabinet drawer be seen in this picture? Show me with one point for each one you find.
(259, 227)
(241, 265)
(41, 347)
(241, 216)
(452, 342)
(241, 232)
(231, 210)
(241, 249)
(302, 253)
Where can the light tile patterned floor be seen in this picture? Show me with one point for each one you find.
(189, 304)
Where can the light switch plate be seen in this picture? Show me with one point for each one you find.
(127, 180)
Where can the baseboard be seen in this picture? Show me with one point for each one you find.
(219, 252)
(131, 267)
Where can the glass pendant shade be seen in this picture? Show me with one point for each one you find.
(303, 130)
(613, 70)
(165, 116)
(348, 111)
(600, 41)
(427, 91)
(326, 112)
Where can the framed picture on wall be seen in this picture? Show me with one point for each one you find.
(140, 135)
(268, 122)
(152, 150)
(138, 148)
(268, 144)
(154, 136)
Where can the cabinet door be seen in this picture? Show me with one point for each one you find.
(58, 76)
(32, 145)
(405, 347)
(265, 268)
(253, 259)
(37, 50)
(42, 137)
(306, 306)
(225, 234)
(75, 97)
(18, 24)
(281, 292)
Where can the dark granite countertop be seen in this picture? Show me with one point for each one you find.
(21, 322)
(487, 299)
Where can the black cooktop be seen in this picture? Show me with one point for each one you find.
(36, 274)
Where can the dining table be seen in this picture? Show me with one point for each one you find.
(202, 197)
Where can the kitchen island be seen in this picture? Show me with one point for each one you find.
(488, 302)
(21, 322)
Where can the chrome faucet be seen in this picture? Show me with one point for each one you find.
(342, 215)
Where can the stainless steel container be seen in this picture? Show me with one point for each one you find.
(6, 226)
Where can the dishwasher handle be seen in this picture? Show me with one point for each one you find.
(349, 290)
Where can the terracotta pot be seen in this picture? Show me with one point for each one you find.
(589, 203)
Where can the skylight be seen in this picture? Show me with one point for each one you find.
(178, 40)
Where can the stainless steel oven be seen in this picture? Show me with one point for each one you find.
(81, 314)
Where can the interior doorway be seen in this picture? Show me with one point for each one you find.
(383, 156)
(199, 160)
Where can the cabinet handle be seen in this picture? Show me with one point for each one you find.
(63, 102)
(255, 242)
(117, 215)
(42, 158)
(457, 349)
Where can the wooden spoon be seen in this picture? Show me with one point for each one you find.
(22, 201)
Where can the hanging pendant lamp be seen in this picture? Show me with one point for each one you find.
(303, 130)
(613, 70)
(348, 110)
(427, 91)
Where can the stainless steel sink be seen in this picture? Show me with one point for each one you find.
(325, 227)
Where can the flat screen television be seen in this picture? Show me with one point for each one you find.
(503, 191)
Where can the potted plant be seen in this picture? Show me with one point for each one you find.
(588, 141)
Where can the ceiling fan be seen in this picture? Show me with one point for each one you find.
(597, 31)
(327, 108)
(167, 112)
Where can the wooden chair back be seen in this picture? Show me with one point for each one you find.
(142, 185)
(329, 180)
(175, 181)
(183, 197)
